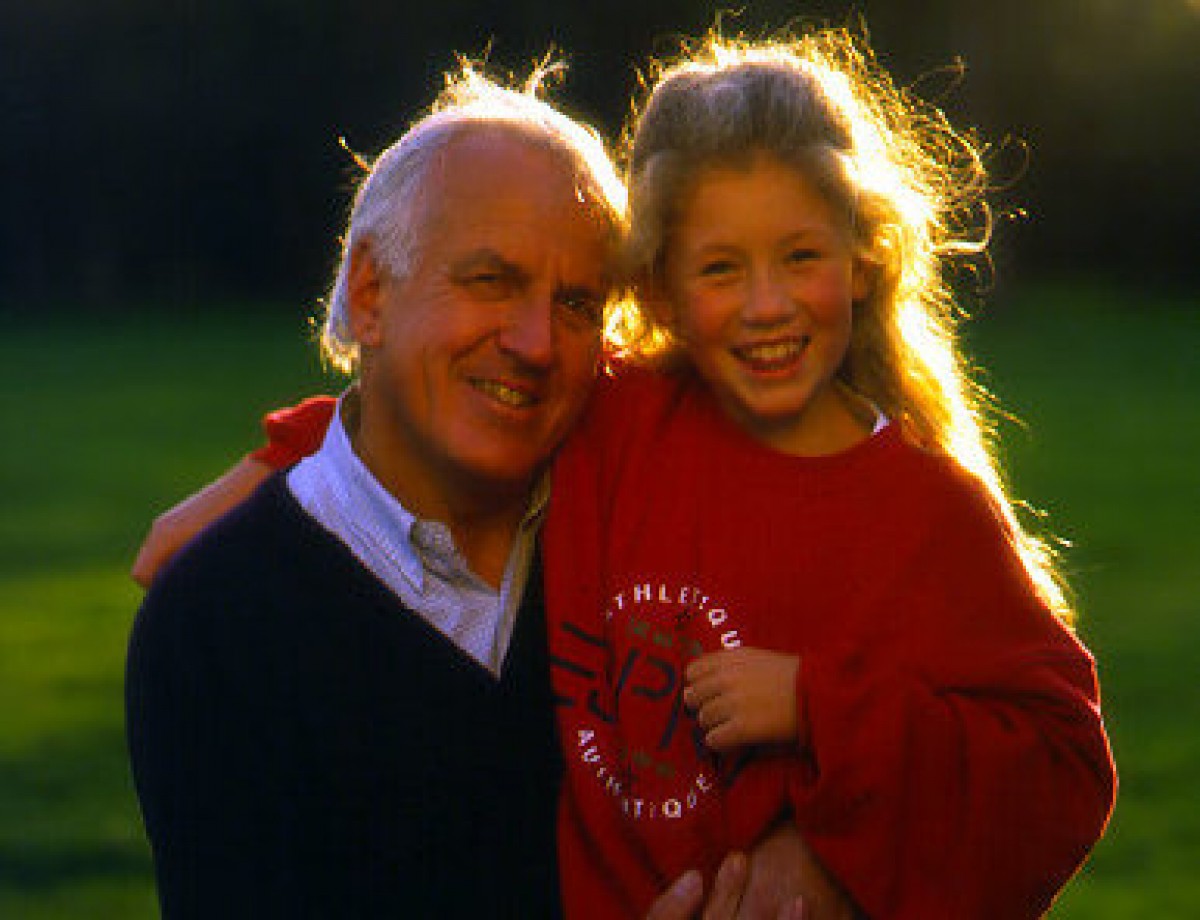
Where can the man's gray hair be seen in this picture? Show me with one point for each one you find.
(387, 206)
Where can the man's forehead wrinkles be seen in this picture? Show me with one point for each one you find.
(485, 255)
(526, 258)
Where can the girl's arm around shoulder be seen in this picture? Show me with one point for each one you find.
(174, 528)
(295, 432)
(292, 434)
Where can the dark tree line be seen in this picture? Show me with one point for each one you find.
(173, 150)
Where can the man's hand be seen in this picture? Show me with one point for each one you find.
(781, 880)
(683, 900)
(782, 867)
(744, 696)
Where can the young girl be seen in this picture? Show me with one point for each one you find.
(783, 576)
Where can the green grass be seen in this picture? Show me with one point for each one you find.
(1107, 386)
(108, 419)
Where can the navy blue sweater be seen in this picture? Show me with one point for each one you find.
(305, 746)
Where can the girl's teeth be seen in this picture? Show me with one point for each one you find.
(772, 352)
(777, 351)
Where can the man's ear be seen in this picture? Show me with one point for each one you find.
(364, 296)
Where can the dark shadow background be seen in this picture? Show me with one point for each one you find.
(176, 151)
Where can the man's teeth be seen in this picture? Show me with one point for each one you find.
(504, 394)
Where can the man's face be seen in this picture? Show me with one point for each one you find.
(476, 365)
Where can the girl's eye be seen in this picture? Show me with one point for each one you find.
(717, 268)
(800, 255)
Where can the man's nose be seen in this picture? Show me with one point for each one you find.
(528, 333)
(767, 300)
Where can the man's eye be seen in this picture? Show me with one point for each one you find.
(585, 306)
(488, 284)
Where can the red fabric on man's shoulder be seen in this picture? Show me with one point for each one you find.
(294, 432)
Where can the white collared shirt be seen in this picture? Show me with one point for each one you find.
(416, 558)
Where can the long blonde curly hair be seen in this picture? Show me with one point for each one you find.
(912, 188)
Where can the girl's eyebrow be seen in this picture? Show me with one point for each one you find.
(804, 231)
(716, 245)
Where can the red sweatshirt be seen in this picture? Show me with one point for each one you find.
(953, 763)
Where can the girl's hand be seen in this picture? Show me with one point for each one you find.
(744, 696)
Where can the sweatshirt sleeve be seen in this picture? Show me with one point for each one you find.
(957, 764)
(294, 432)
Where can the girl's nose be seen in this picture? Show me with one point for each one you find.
(767, 301)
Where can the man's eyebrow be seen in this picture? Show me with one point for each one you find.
(483, 258)
(575, 291)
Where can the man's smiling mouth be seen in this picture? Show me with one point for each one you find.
(503, 393)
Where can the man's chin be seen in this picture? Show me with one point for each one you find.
(505, 472)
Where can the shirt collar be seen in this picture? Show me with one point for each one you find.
(538, 501)
(378, 518)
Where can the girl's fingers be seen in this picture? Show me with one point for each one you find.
(696, 695)
(705, 665)
(725, 736)
(713, 713)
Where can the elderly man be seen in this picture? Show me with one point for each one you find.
(338, 696)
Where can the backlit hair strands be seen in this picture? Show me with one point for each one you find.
(912, 191)
(388, 203)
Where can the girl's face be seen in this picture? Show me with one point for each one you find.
(761, 279)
